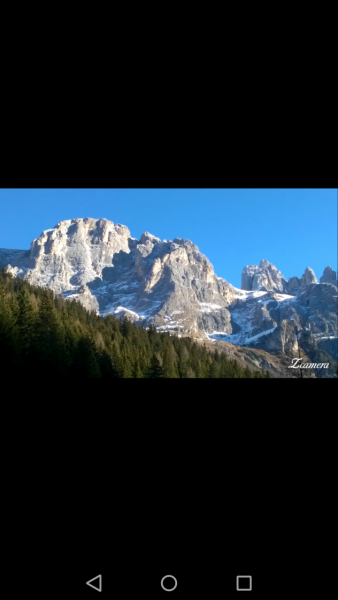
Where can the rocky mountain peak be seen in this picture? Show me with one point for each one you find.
(308, 277)
(329, 276)
(98, 263)
(265, 264)
(296, 285)
(148, 237)
(265, 277)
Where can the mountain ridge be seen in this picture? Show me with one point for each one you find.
(172, 285)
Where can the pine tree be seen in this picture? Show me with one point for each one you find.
(105, 365)
(9, 348)
(137, 373)
(127, 369)
(213, 370)
(247, 373)
(26, 320)
(168, 366)
(85, 362)
(125, 327)
(117, 362)
(155, 370)
(49, 346)
(236, 369)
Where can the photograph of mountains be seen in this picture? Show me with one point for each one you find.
(87, 299)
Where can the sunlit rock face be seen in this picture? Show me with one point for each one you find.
(329, 276)
(308, 277)
(278, 315)
(263, 277)
(168, 283)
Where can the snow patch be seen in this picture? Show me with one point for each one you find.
(121, 309)
(282, 297)
(209, 306)
(259, 335)
(262, 302)
(246, 294)
(238, 339)
(258, 293)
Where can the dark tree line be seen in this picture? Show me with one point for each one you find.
(44, 334)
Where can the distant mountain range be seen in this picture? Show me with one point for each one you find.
(171, 285)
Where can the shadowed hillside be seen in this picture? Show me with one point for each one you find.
(42, 334)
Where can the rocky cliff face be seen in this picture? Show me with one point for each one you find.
(168, 283)
(329, 276)
(302, 318)
(265, 277)
(173, 286)
(295, 285)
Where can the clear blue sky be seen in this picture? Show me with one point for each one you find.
(292, 229)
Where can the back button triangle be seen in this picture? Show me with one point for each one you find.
(98, 585)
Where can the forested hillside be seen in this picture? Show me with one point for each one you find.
(45, 335)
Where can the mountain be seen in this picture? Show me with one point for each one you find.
(172, 285)
(266, 277)
(167, 283)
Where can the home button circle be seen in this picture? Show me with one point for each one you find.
(167, 584)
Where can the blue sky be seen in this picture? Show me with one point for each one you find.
(292, 228)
